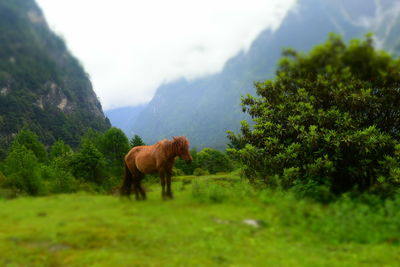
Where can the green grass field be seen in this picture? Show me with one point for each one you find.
(203, 226)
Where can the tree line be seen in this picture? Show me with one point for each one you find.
(96, 165)
(328, 124)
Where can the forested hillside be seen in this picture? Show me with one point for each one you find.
(205, 108)
(42, 86)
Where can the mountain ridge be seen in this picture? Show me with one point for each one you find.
(203, 109)
(42, 85)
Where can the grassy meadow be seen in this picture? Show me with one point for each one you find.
(214, 220)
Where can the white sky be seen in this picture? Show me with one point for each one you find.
(130, 47)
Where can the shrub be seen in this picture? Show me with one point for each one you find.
(364, 219)
(89, 165)
(330, 119)
(200, 172)
(22, 171)
(114, 145)
(58, 178)
(214, 161)
(188, 168)
(355, 221)
(31, 141)
(177, 172)
(3, 179)
(60, 149)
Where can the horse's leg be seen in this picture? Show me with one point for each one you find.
(139, 192)
(140, 187)
(169, 192)
(136, 188)
(126, 187)
(162, 180)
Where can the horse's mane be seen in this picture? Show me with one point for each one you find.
(175, 145)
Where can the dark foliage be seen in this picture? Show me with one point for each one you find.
(214, 161)
(209, 160)
(114, 145)
(136, 140)
(60, 149)
(96, 166)
(188, 168)
(31, 141)
(89, 164)
(22, 170)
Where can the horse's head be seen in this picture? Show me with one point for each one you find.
(181, 144)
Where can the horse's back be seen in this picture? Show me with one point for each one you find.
(141, 158)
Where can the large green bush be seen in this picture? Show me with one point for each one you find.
(58, 172)
(214, 161)
(208, 159)
(114, 145)
(328, 123)
(21, 168)
(30, 140)
(89, 164)
(60, 149)
(96, 166)
(185, 167)
(200, 172)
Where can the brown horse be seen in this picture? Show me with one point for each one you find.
(157, 158)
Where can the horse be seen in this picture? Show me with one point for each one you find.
(158, 158)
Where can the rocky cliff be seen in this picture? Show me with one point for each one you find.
(42, 86)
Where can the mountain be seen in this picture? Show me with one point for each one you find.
(124, 117)
(386, 24)
(203, 109)
(42, 86)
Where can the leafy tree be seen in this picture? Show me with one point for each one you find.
(188, 168)
(60, 149)
(58, 176)
(214, 161)
(114, 145)
(136, 140)
(31, 141)
(92, 136)
(89, 164)
(328, 122)
(22, 170)
(235, 141)
(59, 170)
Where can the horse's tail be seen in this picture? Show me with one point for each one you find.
(126, 186)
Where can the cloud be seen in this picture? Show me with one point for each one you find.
(130, 47)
